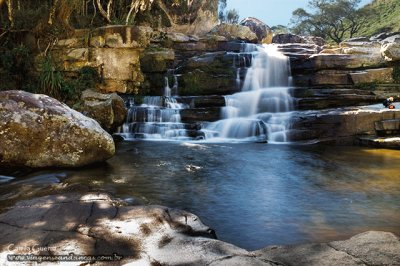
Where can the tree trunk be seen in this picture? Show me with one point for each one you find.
(52, 12)
(10, 12)
(106, 15)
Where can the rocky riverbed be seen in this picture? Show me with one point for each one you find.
(96, 224)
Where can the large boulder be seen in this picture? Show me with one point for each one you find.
(39, 131)
(288, 38)
(107, 109)
(235, 32)
(263, 32)
(391, 51)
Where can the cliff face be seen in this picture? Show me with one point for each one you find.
(185, 16)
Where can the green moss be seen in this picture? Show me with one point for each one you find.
(191, 83)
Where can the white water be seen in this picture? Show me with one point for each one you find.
(157, 118)
(263, 109)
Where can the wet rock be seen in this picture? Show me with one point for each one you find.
(235, 32)
(263, 32)
(200, 114)
(39, 131)
(107, 109)
(343, 126)
(208, 74)
(387, 127)
(392, 142)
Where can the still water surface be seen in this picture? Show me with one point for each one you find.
(253, 195)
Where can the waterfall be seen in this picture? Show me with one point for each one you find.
(261, 111)
(157, 117)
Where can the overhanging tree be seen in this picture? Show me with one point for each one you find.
(330, 19)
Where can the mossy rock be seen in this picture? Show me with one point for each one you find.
(156, 60)
(199, 82)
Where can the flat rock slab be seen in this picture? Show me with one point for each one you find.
(114, 234)
(392, 142)
(94, 224)
(369, 248)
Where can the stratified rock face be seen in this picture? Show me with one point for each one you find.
(114, 51)
(107, 109)
(235, 32)
(341, 126)
(263, 32)
(39, 131)
(288, 38)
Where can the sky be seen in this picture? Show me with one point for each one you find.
(271, 12)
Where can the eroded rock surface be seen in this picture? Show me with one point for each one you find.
(39, 131)
(94, 224)
(107, 109)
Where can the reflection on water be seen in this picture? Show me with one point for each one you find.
(252, 194)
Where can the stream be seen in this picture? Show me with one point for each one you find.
(252, 194)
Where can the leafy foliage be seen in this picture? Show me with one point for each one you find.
(330, 19)
(50, 80)
(227, 16)
(384, 17)
(53, 83)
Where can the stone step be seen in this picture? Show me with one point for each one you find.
(200, 114)
(387, 127)
(380, 142)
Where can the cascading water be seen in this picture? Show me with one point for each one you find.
(261, 110)
(157, 118)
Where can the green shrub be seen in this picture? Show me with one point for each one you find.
(50, 79)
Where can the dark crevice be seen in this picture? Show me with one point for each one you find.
(90, 213)
(232, 256)
(116, 212)
(351, 255)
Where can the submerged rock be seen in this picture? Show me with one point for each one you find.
(39, 131)
(95, 224)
